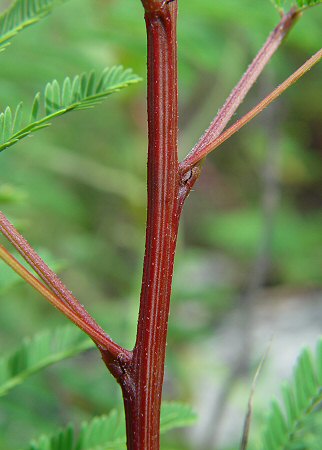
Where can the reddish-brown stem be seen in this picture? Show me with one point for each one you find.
(142, 398)
(240, 91)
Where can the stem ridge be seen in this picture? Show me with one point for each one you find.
(147, 367)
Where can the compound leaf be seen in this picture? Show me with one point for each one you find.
(82, 92)
(301, 398)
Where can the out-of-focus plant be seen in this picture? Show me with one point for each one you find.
(140, 371)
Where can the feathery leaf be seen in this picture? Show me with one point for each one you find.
(301, 397)
(82, 92)
(22, 14)
(40, 351)
(108, 432)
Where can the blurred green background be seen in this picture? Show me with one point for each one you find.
(250, 247)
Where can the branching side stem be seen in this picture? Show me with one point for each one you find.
(194, 158)
(41, 268)
(57, 294)
(240, 91)
(97, 337)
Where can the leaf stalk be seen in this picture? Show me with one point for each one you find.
(52, 287)
(256, 110)
(240, 91)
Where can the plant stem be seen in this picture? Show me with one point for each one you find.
(142, 397)
(240, 91)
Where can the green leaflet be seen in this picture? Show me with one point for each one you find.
(300, 399)
(40, 351)
(176, 415)
(307, 3)
(82, 92)
(282, 5)
(108, 432)
(22, 14)
(101, 433)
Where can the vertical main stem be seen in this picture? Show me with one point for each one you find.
(143, 400)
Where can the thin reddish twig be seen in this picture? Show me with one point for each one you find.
(98, 338)
(240, 91)
(61, 297)
(41, 268)
(256, 110)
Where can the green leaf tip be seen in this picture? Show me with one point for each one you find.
(82, 92)
(21, 14)
(301, 397)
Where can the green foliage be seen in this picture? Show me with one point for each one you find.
(108, 432)
(38, 352)
(22, 14)
(83, 92)
(307, 3)
(176, 415)
(301, 398)
(301, 4)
